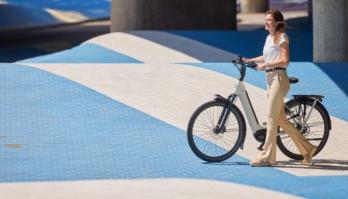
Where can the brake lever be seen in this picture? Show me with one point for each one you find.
(252, 65)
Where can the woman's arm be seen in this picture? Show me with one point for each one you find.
(255, 59)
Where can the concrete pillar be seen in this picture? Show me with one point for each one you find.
(173, 14)
(253, 6)
(330, 31)
(310, 9)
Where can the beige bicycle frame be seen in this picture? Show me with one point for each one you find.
(242, 94)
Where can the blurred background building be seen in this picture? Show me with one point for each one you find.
(30, 28)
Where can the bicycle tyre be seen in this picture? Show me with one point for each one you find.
(195, 142)
(320, 109)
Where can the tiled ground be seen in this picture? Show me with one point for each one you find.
(105, 125)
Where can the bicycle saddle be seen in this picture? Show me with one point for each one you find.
(293, 80)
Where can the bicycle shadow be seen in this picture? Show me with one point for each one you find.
(323, 164)
(226, 163)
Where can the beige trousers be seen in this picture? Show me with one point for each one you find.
(278, 87)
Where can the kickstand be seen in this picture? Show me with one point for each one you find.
(260, 148)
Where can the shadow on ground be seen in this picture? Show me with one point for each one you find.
(19, 45)
(322, 164)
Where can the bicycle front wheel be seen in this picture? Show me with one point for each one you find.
(208, 144)
(314, 127)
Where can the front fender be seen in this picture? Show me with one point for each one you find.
(219, 98)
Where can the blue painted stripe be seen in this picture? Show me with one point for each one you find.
(19, 14)
(326, 79)
(91, 8)
(85, 53)
(70, 132)
(250, 43)
(235, 42)
(17, 17)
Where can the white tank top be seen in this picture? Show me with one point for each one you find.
(271, 50)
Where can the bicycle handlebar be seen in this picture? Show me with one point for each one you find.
(251, 65)
(241, 65)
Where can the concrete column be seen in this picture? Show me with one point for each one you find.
(253, 6)
(310, 8)
(173, 14)
(124, 15)
(330, 31)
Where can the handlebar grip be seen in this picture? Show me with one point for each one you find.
(252, 65)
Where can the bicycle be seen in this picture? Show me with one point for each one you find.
(217, 129)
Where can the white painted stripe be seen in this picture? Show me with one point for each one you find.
(145, 49)
(141, 49)
(200, 51)
(171, 92)
(66, 16)
(130, 189)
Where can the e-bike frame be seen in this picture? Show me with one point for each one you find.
(239, 91)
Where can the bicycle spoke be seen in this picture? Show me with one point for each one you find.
(232, 130)
(202, 134)
(205, 125)
(315, 124)
(206, 116)
(229, 138)
(285, 137)
(225, 144)
(205, 137)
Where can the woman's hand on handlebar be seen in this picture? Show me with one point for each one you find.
(261, 66)
(246, 60)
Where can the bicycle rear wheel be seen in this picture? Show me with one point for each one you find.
(205, 142)
(315, 130)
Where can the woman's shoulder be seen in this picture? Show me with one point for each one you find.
(284, 35)
(283, 38)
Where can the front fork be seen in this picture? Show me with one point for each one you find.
(220, 127)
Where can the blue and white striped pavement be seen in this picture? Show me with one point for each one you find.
(19, 14)
(111, 114)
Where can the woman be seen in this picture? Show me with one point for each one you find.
(275, 60)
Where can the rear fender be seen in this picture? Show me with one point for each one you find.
(310, 99)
